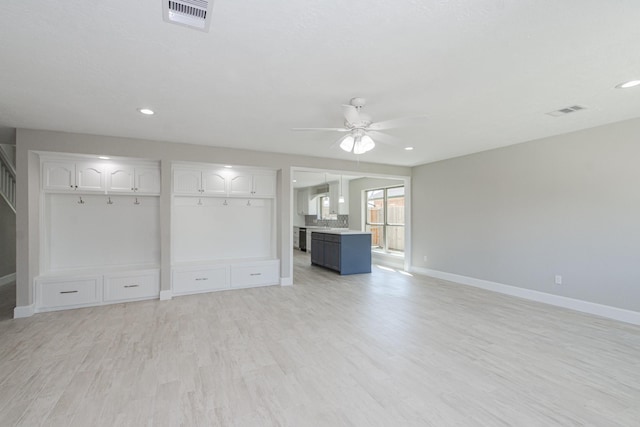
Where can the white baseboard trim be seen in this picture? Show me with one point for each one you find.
(286, 281)
(23, 311)
(166, 295)
(4, 280)
(607, 311)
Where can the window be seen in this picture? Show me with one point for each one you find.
(385, 219)
(325, 207)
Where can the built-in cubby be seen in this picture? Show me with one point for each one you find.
(223, 228)
(100, 232)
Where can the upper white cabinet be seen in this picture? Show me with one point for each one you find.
(195, 180)
(302, 202)
(187, 181)
(198, 181)
(213, 182)
(133, 179)
(241, 184)
(264, 184)
(73, 176)
(110, 177)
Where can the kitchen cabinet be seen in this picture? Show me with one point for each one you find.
(296, 237)
(303, 202)
(133, 179)
(346, 253)
(71, 175)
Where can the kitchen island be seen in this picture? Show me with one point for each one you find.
(345, 251)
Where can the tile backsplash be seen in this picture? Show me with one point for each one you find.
(341, 222)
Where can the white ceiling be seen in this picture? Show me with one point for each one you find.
(484, 71)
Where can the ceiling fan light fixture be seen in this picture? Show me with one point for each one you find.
(347, 143)
(363, 144)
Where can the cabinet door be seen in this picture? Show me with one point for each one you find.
(187, 181)
(147, 180)
(312, 203)
(213, 183)
(90, 176)
(332, 255)
(302, 202)
(264, 185)
(241, 185)
(317, 251)
(59, 176)
(121, 179)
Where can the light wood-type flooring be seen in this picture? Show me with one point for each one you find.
(384, 349)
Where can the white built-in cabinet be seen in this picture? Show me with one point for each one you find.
(123, 178)
(104, 176)
(71, 175)
(223, 182)
(223, 228)
(100, 232)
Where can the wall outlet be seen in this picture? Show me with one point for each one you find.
(425, 258)
(558, 280)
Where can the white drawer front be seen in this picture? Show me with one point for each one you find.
(204, 280)
(254, 275)
(131, 287)
(69, 293)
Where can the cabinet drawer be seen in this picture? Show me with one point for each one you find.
(194, 281)
(65, 293)
(332, 238)
(246, 275)
(119, 288)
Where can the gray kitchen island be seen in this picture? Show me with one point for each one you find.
(345, 251)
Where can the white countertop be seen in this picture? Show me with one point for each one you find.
(340, 231)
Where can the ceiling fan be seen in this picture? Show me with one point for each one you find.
(361, 129)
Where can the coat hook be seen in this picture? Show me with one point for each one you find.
(136, 202)
(199, 202)
(80, 202)
(109, 202)
(248, 202)
(225, 202)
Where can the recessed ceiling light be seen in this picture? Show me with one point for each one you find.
(104, 158)
(146, 111)
(408, 148)
(626, 85)
(228, 166)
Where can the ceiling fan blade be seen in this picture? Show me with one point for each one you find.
(395, 123)
(351, 114)
(324, 129)
(383, 137)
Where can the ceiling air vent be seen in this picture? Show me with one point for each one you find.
(566, 110)
(191, 13)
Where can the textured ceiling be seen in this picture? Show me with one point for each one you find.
(484, 71)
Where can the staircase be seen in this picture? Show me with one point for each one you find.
(8, 175)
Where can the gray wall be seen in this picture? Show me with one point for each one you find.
(7, 239)
(356, 187)
(567, 205)
(28, 183)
